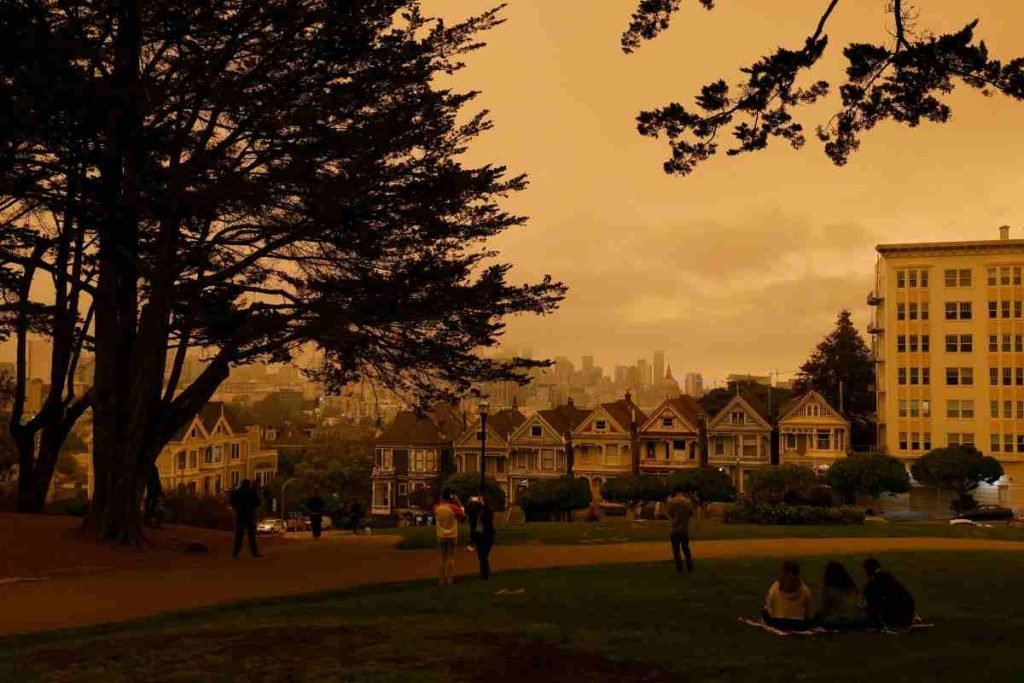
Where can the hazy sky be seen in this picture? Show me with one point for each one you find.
(743, 265)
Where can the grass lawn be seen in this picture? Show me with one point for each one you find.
(621, 623)
(618, 530)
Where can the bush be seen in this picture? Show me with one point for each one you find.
(547, 497)
(785, 484)
(710, 484)
(188, 509)
(467, 484)
(959, 469)
(632, 491)
(765, 513)
(871, 474)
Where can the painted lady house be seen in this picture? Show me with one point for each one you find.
(542, 446)
(812, 432)
(739, 439)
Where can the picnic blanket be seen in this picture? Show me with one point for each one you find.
(820, 630)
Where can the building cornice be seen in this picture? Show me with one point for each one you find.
(948, 248)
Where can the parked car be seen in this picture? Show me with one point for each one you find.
(270, 526)
(986, 513)
(297, 522)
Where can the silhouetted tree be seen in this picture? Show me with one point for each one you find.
(959, 469)
(709, 483)
(843, 357)
(905, 78)
(871, 474)
(244, 177)
(768, 398)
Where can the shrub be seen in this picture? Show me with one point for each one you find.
(789, 484)
(959, 469)
(766, 513)
(546, 497)
(467, 484)
(188, 509)
(871, 474)
(635, 490)
(710, 484)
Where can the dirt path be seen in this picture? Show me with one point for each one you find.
(70, 582)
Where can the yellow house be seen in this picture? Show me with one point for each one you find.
(948, 345)
(739, 439)
(500, 427)
(540, 446)
(606, 443)
(811, 432)
(670, 437)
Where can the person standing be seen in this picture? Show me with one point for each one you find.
(680, 511)
(446, 522)
(315, 505)
(472, 512)
(245, 500)
(484, 536)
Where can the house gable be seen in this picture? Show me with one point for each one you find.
(812, 408)
(469, 438)
(752, 419)
(526, 432)
(600, 423)
(665, 418)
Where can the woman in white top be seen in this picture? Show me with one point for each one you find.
(446, 521)
(789, 605)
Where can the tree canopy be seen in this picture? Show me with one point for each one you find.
(959, 469)
(634, 490)
(769, 398)
(905, 75)
(242, 177)
(871, 474)
(710, 484)
(843, 358)
(546, 497)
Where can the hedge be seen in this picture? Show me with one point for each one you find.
(764, 513)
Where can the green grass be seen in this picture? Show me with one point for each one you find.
(621, 531)
(622, 623)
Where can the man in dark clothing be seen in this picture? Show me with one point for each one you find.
(483, 538)
(245, 500)
(154, 489)
(888, 602)
(473, 508)
(680, 510)
(315, 505)
(355, 516)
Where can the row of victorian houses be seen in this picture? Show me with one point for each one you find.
(611, 440)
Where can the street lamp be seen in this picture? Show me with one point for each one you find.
(484, 407)
(283, 487)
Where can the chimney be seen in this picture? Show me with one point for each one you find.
(629, 396)
(570, 402)
(1004, 232)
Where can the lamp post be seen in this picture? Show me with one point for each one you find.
(484, 407)
(283, 487)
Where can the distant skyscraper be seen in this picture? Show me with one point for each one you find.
(621, 374)
(644, 370)
(659, 366)
(693, 384)
(38, 360)
(588, 363)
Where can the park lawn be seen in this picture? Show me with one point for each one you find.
(618, 530)
(620, 623)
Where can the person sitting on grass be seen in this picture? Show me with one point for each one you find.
(840, 599)
(888, 603)
(789, 604)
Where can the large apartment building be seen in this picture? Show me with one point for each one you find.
(948, 345)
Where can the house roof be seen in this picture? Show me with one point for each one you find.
(209, 415)
(789, 406)
(506, 421)
(689, 409)
(564, 418)
(749, 401)
(439, 425)
(622, 412)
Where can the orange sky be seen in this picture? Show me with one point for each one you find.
(743, 265)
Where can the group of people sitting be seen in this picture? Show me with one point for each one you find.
(884, 602)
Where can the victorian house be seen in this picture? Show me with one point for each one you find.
(670, 439)
(739, 439)
(500, 427)
(542, 446)
(606, 443)
(811, 432)
(410, 458)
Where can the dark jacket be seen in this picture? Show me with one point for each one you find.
(888, 601)
(245, 502)
(486, 523)
(315, 505)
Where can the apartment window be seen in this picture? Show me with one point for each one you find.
(993, 409)
(600, 425)
(951, 310)
(1016, 275)
(1007, 377)
(913, 311)
(901, 375)
(924, 310)
(951, 278)
(926, 408)
(967, 376)
(901, 278)
(1020, 410)
(1007, 410)
(926, 376)
(823, 441)
(964, 439)
(962, 409)
(536, 430)
(1004, 307)
(1018, 342)
(903, 407)
(926, 441)
(1004, 276)
(993, 343)
(913, 375)
(1006, 342)
(965, 277)
(952, 376)
(1020, 443)
(236, 451)
(924, 278)
(992, 276)
(966, 343)
(181, 460)
(924, 343)
(993, 309)
(912, 278)
(1019, 377)
(1017, 308)
(1008, 443)
(913, 343)
(951, 343)
(915, 408)
(901, 343)
(965, 310)
(993, 376)
(915, 441)
(903, 441)
(667, 421)
(995, 443)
